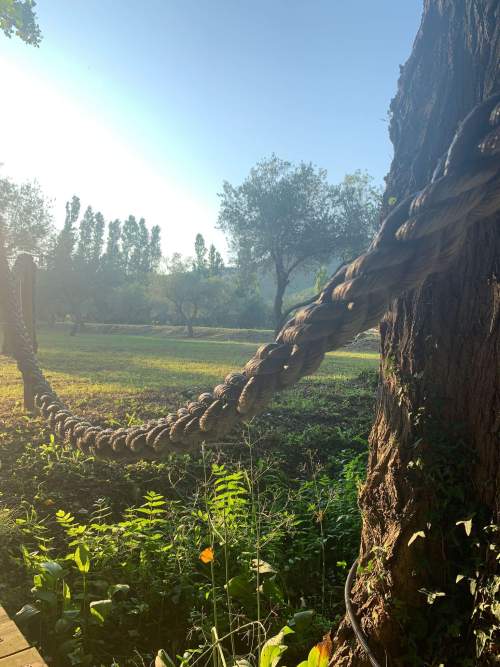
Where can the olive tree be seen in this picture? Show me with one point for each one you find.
(286, 217)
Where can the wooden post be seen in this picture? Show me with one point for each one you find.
(25, 270)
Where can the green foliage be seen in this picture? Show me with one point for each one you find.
(27, 215)
(320, 279)
(18, 17)
(97, 271)
(191, 290)
(459, 597)
(271, 523)
(104, 582)
(286, 216)
(215, 261)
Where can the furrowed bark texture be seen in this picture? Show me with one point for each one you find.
(440, 389)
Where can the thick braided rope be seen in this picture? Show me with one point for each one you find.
(420, 237)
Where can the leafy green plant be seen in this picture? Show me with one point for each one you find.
(237, 552)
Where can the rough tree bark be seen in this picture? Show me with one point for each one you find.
(434, 451)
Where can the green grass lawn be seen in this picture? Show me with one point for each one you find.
(93, 364)
(122, 379)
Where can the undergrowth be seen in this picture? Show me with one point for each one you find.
(234, 553)
(243, 553)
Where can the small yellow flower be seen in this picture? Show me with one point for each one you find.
(49, 502)
(207, 555)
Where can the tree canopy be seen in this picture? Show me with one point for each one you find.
(27, 215)
(192, 291)
(17, 17)
(285, 216)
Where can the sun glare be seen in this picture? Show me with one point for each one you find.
(70, 151)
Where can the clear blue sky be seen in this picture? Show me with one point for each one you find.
(146, 106)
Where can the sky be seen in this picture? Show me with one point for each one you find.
(145, 107)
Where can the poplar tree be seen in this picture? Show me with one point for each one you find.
(154, 248)
(200, 250)
(215, 261)
(130, 232)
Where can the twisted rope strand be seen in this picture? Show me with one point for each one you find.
(421, 236)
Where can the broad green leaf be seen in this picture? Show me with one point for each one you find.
(240, 587)
(82, 558)
(66, 594)
(100, 609)
(52, 568)
(274, 648)
(72, 613)
(318, 655)
(302, 620)
(271, 589)
(118, 589)
(271, 654)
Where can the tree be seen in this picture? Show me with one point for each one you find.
(428, 597)
(57, 283)
(18, 17)
(208, 263)
(215, 262)
(112, 259)
(182, 287)
(86, 283)
(357, 206)
(154, 248)
(85, 236)
(140, 256)
(288, 216)
(27, 214)
(192, 294)
(97, 239)
(130, 239)
(200, 259)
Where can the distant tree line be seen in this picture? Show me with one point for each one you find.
(283, 220)
(99, 271)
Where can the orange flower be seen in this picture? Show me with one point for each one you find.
(207, 555)
(49, 502)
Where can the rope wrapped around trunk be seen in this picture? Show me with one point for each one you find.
(421, 236)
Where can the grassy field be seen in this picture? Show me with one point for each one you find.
(119, 379)
(84, 367)
(299, 475)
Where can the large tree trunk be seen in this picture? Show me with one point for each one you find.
(434, 451)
